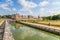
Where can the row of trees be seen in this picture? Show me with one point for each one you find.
(54, 17)
(0, 16)
(5, 16)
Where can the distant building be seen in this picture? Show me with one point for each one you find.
(30, 17)
(40, 18)
(16, 16)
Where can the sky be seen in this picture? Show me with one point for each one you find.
(30, 7)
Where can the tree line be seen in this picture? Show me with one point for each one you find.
(5, 16)
(54, 17)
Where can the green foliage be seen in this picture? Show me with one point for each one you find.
(8, 16)
(0, 16)
(54, 17)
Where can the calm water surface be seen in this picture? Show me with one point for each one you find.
(23, 32)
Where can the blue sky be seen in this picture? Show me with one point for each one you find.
(30, 7)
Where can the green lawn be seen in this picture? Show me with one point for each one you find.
(46, 22)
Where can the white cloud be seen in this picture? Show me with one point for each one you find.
(10, 2)
(14, 9)
(49, 11)
(27, 4)
(4, 6)
(56, 3)
(43, 3)
(26, 10)
(42, 9)
(54, 11)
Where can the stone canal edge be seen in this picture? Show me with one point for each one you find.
(7, 33)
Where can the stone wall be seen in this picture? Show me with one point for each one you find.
(7, 33)
(52, 29)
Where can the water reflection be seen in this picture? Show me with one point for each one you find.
(22, 32)
(16, 25)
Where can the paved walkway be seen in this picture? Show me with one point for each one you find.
(7, 34)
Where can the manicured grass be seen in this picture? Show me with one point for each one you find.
(46, 22)
(51, 22)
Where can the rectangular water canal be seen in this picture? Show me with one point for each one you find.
(23, 32)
